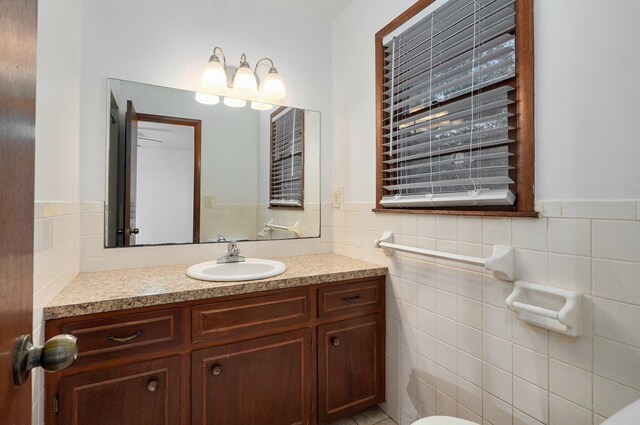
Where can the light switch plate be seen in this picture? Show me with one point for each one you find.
(337, 196)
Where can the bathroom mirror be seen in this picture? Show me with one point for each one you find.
(181, 171)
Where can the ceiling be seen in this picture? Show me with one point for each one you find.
(325, 9)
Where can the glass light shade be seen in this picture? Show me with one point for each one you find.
(207, 99)
(272, 87)
(235, 103)
(244, 82)
(214, 76)
(261, 106)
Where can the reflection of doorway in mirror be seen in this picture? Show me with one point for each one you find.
(168, 180)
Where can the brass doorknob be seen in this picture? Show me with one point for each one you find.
(216, 370)
(152, 386)
(56, 354)
(335, 341)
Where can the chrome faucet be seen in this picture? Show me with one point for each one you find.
(233, 252)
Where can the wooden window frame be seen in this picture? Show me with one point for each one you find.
(524, 158)
(271, 145)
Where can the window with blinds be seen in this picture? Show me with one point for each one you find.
(448, 103)
(287, 147)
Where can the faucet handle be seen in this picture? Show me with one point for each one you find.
(220, 238)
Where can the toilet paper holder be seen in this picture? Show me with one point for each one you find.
(556, 309)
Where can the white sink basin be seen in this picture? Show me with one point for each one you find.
(250, 269)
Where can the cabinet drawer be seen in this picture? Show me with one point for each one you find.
(346, 299)
(127, 334)
(250, 316)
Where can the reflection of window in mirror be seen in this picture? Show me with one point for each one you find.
(286, 179)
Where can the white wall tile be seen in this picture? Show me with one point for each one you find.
(521, 418)
(496, 231)
(568, 236)
(563, 412)
(469, 312)
(495, 410)
(470, 284)
(531, 399)
(531, 366)
(470, 396)
(495, 291)
(570, 272)
(572, 383)
(609, 209)
(531, 266)
(497, 382)
(446, 304)
(616, 240)
(470, 229)
(450, 320)
(616, 321)
(609, 396)
(447, 227)
(531, 337)
(446, 330)
(529, 233)
(616, 280)
(445, 405)
(497, 321)
(498, 352)
(446, 356)
(618, 362)
(426, 226)
(447, 382)
(467, 414)
(470, 340)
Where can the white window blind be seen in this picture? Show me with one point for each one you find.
(448, 107)
(287, 141)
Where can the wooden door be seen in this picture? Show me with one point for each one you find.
(146, 393)
(131, 172)
(350, 366)
(17, 133)
(262, 381)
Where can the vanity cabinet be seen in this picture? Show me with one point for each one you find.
(302, 356)
(261, 381)
(350, 366)
(144, 393)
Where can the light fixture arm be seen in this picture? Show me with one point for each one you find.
(215, 58)
(243, 61)
(255, 71)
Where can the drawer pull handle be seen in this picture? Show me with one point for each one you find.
(152, 386)
(216, 370)
(129, 338)
(353, 299)
(335, 341)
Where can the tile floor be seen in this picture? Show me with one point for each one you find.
(372, 416)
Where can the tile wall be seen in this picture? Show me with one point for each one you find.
(56, 263)
(454, 349)
(94, 257)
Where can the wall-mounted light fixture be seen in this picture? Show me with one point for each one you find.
(244, 83)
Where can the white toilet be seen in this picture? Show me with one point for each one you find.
(627, 416)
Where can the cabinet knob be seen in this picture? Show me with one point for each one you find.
(216, 370)
(335, 341)
(152, 386)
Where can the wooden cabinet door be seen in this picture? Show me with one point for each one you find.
(261, 381)
(350, 366)
(146, 393)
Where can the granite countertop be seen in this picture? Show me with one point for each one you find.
(115, 290)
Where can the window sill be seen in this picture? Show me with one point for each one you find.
(532, 214)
